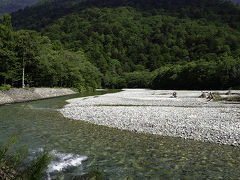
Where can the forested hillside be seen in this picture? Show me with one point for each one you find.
(175, 44)
(8, 6)
(48, 12)
(45, 63)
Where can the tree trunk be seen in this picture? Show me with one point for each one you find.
(23, 74)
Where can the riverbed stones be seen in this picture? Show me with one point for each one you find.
(53, 92)
(22, 95)
(156, 112)
(4, 98)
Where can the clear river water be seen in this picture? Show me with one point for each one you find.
(80, 147)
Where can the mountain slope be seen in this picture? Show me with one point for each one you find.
(138, 43)
(8, 6)
(46, 13)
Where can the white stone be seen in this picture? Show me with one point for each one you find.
(155, 112)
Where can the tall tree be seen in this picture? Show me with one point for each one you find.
(7, 53)
(28, 45)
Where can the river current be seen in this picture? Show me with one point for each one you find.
(80, 147)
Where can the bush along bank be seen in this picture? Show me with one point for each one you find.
(12, 166)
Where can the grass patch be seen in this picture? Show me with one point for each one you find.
(5, 87)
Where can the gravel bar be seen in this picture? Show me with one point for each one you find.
(156, 112)
(23, 95)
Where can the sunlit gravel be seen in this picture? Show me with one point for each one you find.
(156, 112)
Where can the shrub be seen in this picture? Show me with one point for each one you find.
(38, 166)
(10, 163)
(138, 79)
(5, 87)
(80, 87)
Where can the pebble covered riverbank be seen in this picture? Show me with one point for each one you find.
(156, 112)
(22, 95)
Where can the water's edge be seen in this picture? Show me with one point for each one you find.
(25, 95)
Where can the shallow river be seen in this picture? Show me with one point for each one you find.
(80, 147)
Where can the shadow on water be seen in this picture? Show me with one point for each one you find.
(118, 153)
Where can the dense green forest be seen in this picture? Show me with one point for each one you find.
(177, 44)
(45, 62)
(8, 6)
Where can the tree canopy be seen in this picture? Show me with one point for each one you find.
(46, 62)
(176, 44)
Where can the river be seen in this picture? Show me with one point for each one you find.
(80, 147)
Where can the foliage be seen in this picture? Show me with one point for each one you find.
(38, 166)
(48, 11)
(196, 75)
(10, 163)
(114, 81)
(5, 87)
(3, 156)
(180, 44)
(138, 79)
(88, 44)
(45, 62)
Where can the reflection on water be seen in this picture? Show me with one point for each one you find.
(118, 153)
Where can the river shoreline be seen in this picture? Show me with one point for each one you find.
(156, 112)
(23, 95)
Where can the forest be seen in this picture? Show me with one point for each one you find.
(175, 44)
(45, 63)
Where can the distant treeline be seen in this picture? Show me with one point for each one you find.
(156, 43)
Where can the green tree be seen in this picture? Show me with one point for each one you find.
(7, 54)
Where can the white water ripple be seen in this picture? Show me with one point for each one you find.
(64, 160)
(61, 161)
